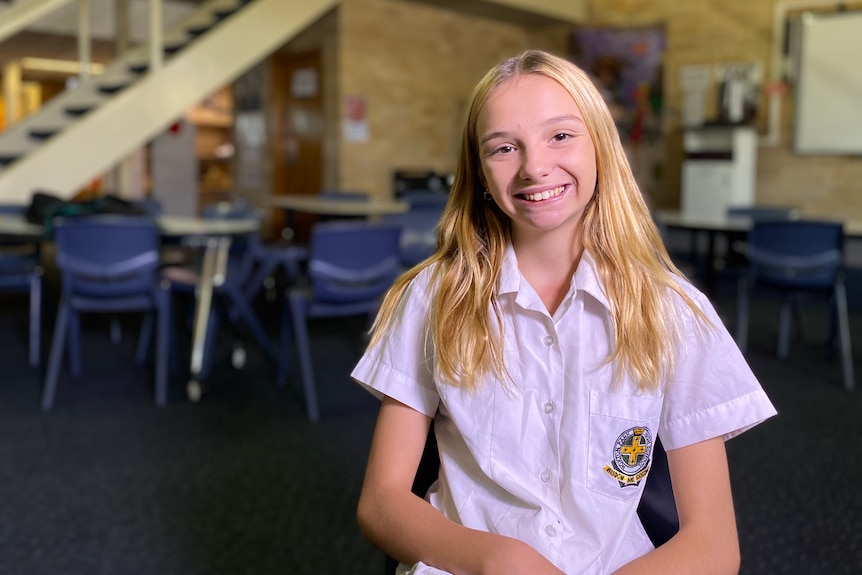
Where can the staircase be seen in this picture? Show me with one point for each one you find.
(85, 131)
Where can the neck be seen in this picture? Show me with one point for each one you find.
(548, 263)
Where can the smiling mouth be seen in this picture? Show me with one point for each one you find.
(541, 196)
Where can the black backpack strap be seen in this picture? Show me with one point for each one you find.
(657, 508)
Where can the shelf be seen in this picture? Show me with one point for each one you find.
(204, 117)
(215, 111)
(213, 119)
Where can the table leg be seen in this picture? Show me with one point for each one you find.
(213, 270)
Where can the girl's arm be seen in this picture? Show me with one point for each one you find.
(707, 541)
(408, 528)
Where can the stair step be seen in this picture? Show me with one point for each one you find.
(198, 31)
(173, 49)
(224, 13)
(43, 133)
(112, 88)
(6, 159)
(138, 68)
(77, 110)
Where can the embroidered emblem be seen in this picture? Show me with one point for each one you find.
(632, 452)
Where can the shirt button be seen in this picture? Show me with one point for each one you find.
(548, 407)
(548, 340)
(550, 531)
(545, 476)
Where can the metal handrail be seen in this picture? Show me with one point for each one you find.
(23, 14)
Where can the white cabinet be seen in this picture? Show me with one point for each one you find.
(718, 170)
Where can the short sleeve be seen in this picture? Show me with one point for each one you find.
(401, 365)
(712, 391)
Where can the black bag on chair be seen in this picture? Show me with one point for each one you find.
(40, 204)
(44, 207)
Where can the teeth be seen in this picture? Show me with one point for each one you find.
(544, 195)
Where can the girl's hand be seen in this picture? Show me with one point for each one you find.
(507, 556)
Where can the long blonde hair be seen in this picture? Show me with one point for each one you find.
(636, 271)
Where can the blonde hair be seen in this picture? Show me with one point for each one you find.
(617, 229)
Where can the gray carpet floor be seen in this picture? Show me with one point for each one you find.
(241, 483)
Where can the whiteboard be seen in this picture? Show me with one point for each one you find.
(828, 115)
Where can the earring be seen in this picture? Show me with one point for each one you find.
(485, 195)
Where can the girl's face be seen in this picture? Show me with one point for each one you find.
(538, 159)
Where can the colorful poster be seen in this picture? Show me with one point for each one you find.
(626, 64)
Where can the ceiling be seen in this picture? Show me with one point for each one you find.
(64, 20)
(492, 10)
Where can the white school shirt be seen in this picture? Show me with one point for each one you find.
(560, 458)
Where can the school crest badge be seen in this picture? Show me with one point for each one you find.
(632, 456)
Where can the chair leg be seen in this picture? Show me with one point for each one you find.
(300, 328)
(58, 343)
(243, 311)
(116, 330)
(144, 338)
(287, 258)
(799, 319)
(36, 318)
(283, 360)
(264, 270)
(844, 336)
(784, 317)
(163, 333)
(74, 342)
(742, 304)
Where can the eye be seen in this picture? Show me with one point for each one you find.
(561, 137)
(503, 150)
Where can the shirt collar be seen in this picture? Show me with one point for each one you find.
(586, 277)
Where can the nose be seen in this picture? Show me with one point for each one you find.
(534, 164)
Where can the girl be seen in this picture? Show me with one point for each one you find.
(551, 340)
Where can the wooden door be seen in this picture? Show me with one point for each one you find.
(298, 143)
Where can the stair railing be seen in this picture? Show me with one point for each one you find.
(22, 15)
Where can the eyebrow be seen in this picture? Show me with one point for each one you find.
(548, 122)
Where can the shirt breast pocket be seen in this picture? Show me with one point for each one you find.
(622, 435)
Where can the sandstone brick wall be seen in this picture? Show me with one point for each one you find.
(738, 31)
(415, 65)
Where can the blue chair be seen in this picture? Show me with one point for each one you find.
(21, 271)
(425, 199)
(793, 260)
(107, 264)
(151, 206)
(726, 268)
(418, 225)
(351, 265)
(763, 213)
(734, 256)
